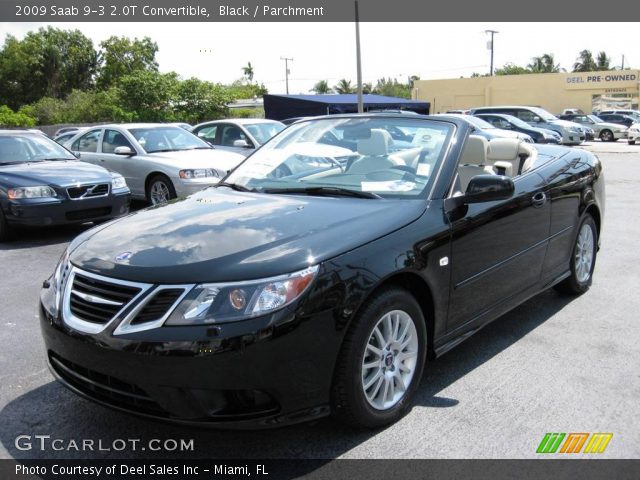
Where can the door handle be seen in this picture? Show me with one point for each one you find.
(539, 199)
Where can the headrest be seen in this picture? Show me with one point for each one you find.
(376, 145)
(504, 149)
(475, 151)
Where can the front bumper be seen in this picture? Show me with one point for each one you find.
(257, 373)
(620, 135)
(571, 138)
(44, 211)
(186, 188)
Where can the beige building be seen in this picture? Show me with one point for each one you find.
(551, 91)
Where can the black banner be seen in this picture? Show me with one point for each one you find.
(319, 469)
(309, 11)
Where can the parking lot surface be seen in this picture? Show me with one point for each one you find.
(555, 364)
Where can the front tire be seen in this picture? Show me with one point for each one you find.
(632, 142)
(160, 190)
(381, 361)
(4, 227)
(583, 259)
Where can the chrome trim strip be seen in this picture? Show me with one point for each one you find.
(125, 326)
(94, 299)
(88, 327)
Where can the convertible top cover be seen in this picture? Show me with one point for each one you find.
(280, 107)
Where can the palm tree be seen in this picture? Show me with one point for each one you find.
(585, 62)
(544, 64)
(344, 86)
(248, 72)
(321, 88)
(603, 61)
(367, 88)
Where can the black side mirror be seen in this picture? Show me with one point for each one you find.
(488, 188)
(77, 154)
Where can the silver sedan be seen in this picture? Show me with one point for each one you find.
(159, 162)
(240, 135)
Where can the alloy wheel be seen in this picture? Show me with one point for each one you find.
(160, 193)
(584, 253)
(390, 359)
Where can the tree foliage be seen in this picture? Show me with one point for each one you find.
(511, 69)
(322, 88)
(121, 56)
(47, 63)
(9, 118)
(344, 86)
(585, 62)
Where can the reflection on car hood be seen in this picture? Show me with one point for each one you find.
(220, 234)
(59, 172)
(205, 158)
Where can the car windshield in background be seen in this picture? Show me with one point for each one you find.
(357, 156)
(478, 122)
(264, 131)
(30, 148)
(167, 139)
(542, 113)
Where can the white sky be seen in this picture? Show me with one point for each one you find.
(217, 51)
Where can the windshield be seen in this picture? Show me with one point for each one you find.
(356, 155)
(595, 119)
(264, 131)
(167, 139)
(30, 148)
(478, 122)
(517, 122)
(542, 113)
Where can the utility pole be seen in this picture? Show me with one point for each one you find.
(622, 67)
(358, 61)
(286, 71)
(490, 45)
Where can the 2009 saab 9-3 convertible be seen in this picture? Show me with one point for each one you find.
(321, 273)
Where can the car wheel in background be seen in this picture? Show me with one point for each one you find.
(160, 190)
(632, 142)
(381, 361)
(583, 259)
(606, 136)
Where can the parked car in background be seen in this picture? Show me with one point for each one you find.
(569, 111)
(239, 135)
(618, 119)
(605, 131)
(64, 136)
(633, 135)
(62, 130)
(184, 125)
(461, 112)
(485, 129)
(43, 184)
(572, 133)
(289, 121)
(509, 122)
(635, 114)
(159, 162)
(273, 299)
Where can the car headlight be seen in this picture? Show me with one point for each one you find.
(40, 191)
(194, 174)
(117, 181)
(227, 302)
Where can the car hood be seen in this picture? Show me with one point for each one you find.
(220, 234)
(565, 124)
(59, 172)
(498, 132)
(206, 158)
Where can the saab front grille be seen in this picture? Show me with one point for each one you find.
(88, 191)
(97, 301)
(158, 306)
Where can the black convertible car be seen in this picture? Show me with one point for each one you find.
(42, 183)
(303, 285)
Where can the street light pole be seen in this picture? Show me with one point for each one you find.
(492, 32)
(358, 61)
(286, 71)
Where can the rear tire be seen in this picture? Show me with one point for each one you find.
(381, 361)
(160, 190)
(632, 142)
(606, 136)
(583, 259)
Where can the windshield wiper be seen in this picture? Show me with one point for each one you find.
(331, 191)
(199, 148)
(165, 150)
(235, 186)
(55, 159)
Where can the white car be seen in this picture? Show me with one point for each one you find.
(159, 162)
(633, 134)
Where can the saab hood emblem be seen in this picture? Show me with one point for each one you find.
(124, 256)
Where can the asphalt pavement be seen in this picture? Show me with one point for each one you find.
(554, 364)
